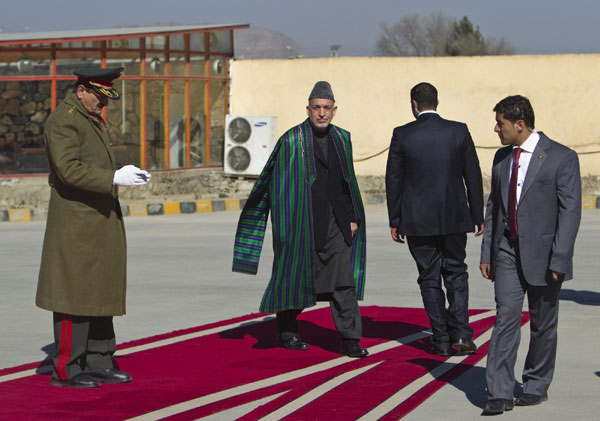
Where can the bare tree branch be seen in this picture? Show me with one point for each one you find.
(437, 34)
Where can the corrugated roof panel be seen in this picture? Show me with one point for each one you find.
(28, 37)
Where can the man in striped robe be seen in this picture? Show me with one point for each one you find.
(318, 224)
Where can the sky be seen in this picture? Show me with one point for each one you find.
(531, 26)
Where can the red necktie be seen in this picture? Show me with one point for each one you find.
(512, 196)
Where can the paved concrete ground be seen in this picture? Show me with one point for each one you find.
(179, 276)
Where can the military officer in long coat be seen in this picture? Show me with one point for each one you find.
(82, 276)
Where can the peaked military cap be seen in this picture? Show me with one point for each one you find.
(100, 80)
(322, 90)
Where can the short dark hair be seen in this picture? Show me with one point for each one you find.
(516, 107)
(425, 95)
(76, 84)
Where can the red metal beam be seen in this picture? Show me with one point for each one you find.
(126, 77)
(143, 145)
(167, 108)
(188, 102)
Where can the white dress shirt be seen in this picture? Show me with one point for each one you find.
(527, 151)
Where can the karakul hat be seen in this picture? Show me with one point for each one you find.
(322, 90)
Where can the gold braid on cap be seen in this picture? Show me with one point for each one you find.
(110, 92)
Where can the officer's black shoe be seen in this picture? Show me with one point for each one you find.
(110, 375)
(351, 348)
(294, 343)
(81, 380)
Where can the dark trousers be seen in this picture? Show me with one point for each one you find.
(345, 312)
(510, 287)
(83, 344)
(334, 282)
(442, 257)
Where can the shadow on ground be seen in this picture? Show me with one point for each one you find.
(590, 298)
(328, 339)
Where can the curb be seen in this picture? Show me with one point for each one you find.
(198, 206)
(590, 202)
(17, 215)
(137, 209)
(176, 208)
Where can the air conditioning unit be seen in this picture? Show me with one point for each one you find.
(249, 140)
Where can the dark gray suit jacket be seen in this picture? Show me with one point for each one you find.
(548, 214)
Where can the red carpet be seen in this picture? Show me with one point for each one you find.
(216, 367)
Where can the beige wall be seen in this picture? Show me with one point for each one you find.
(372, 95)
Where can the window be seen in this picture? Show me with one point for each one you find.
(171, 113)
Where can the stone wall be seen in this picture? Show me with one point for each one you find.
(193, 184)
(196, 184)
(23, 107)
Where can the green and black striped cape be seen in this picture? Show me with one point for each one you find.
(284, 188)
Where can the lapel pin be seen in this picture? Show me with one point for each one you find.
(540, 156)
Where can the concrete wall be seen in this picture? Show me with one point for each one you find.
(372, 95)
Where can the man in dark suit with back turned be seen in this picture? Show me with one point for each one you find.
(531, 221)
(430, 162)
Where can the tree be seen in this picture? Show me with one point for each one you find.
(499, 47)
(437, 35)
(439, 29)
(466, 40)
(414, 35)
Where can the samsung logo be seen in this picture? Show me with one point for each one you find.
(260, 124)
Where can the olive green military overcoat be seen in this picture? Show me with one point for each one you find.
(83, 269)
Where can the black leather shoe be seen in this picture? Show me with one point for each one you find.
(294, 343)
(497, 406)
(351, 348)
(110, 375)
(445, 351)
(465, 345)
(528, 400)
(81, 380)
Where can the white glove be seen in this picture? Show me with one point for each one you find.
(130, 175)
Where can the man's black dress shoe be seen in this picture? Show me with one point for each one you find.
(528, 400)
(294, 343)
(441, 351)
(465, 345)
(81, 380)
(351, 348)
(497, 406)
(110, 375)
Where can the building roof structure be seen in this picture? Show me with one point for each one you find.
(7, 38)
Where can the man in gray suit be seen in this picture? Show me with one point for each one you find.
(532, 217)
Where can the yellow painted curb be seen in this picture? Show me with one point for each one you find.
(138, 209)
(19, 215)
(588, 202)
(171, 208)
(203, 206)
(232, 204)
